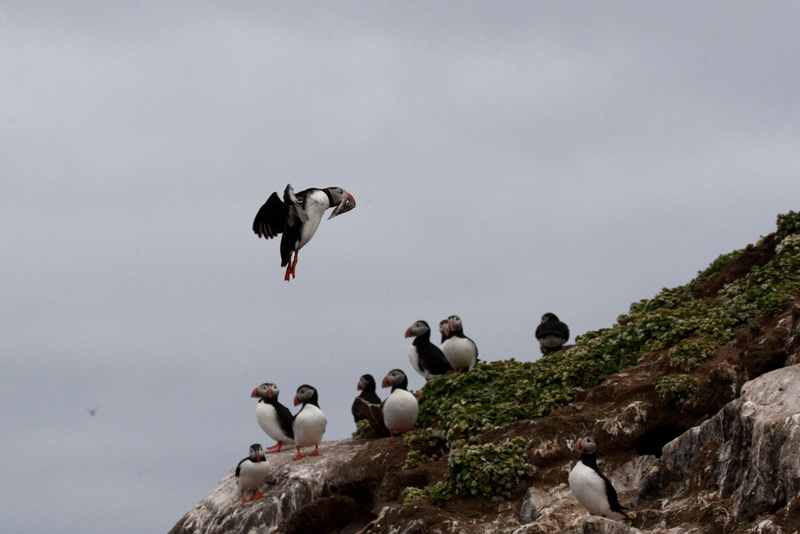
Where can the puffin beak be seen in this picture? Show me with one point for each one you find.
(254, 393)
(408, 332)
(385, 383)
(344, 206)
(577, 446)
(450, 324)
(359, 388)
(296, 400)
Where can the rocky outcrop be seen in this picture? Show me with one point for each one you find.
(742, 464)
(736, 472)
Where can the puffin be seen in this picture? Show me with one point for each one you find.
(251, 472)
(366, 385)
(426, 358)
(273, 417)
(297, 217)
(551, 333)
(460, 351)
(590, 487)
(400, 409)
(309, 423)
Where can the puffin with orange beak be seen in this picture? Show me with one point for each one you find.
(309, 423)
(251, 472)
(273, 417)
(426, 358)
(400, 409)
(297, 217)
(591, 487)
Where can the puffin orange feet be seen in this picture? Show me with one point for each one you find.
(257, 495)
(291, 267)
(316, 451)
(299, 456)
(275, 448)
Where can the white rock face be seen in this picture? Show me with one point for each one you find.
(754, 441)
(289, 486)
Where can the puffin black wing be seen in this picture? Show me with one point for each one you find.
(285, 418)
(431, 358)
(611, 493)
(271, 218)
(239, 466)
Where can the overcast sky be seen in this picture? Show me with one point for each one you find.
(507, 159)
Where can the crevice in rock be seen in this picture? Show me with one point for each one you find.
(651, 442)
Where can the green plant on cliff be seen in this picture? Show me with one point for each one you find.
(467, 405)
(674, 390)
(489, 469)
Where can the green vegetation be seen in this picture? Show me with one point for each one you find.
(674, 390)
(488, 470)
(463, 407)
(416, 459)
(363, 429)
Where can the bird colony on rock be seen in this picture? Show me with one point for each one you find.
(297, 218)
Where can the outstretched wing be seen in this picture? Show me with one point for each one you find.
(270, 218)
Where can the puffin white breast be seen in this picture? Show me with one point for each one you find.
(400, 411)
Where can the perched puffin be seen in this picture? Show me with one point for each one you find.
(592, 489)
(309, 423)
(400, 409)
(426, 358)
(273, 417)
(298, 217)
(551, 333)
(460, 351)
(251, 472)
(366, 385)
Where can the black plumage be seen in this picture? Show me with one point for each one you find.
(297, 217)
(367, 386)
(551, 333)
(426, 358)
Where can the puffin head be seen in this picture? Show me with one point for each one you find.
(455, 323)
(256, 453)
(585, 445)
(344, 201)
(396, 378)
(549, 317)
(306, 395)
(366, 382)
(417, 329)
(444, 327)
(266, 391)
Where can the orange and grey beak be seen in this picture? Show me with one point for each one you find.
(254, 393)
(344, 206)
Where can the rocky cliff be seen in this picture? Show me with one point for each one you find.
(693, 399)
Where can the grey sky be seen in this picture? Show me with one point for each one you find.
(507, 159)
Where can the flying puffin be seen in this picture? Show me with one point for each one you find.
(551, 333)
(592, 489)
(298, 217)
(460, 351)
(366, 385)
(426, 358)
(309, 423)
(400, 409)
(273, 417)
(251, 472)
